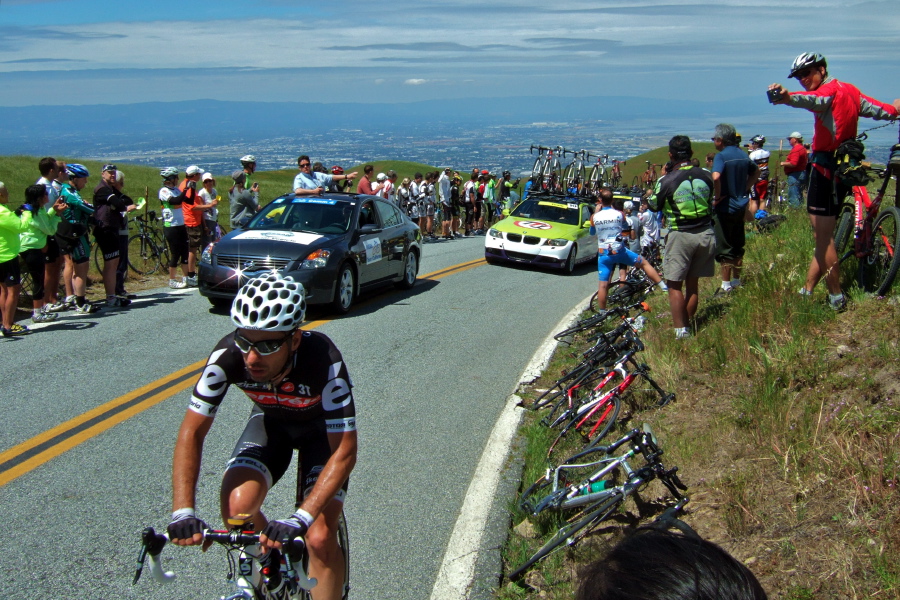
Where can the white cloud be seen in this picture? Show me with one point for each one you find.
(415, 81)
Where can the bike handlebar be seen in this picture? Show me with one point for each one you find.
(153, 544)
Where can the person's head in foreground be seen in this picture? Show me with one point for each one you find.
(655, 564)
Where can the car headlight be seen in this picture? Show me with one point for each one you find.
(494, 233)
(558, 242)
(316, 260)
(206, 255)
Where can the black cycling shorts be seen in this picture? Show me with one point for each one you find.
(821, 199)
(108, 241)
(267, 446)
(177, 239)
(10, 274)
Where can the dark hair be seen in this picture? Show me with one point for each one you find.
(605, 196)
(34, 194)
(695, 161)
(301, 157)
(46, 164)
(417, 175)
(319, 167)
(654, 564)
(680, 147)
(368, 169)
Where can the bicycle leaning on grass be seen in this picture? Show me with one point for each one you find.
(875, 229)
(247, 573)
(586, 488)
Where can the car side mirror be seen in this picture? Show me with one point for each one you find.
(586, 223)
(369, 228)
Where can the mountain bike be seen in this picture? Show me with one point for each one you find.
(147, 251)
(875, 231)
(587, 489)
(250, 578)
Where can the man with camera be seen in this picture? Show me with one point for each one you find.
(837, 107)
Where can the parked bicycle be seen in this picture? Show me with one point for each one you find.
(875, 231)
(585, 489)
(147, 251)
(250, 578)
(573, 175)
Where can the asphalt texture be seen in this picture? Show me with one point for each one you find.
(432, 368)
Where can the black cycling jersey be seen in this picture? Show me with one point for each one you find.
(318, 386)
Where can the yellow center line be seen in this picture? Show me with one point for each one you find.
(32, 453)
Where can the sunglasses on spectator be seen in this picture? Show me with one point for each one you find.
(803, 74)
(304, 165)
(262, 347)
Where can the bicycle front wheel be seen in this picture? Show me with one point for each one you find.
(878, 270)
(571, 533)
(143, 255)
(846, 223)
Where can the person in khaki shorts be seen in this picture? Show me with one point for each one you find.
(685, 195)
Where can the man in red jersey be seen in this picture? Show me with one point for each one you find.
(837, 107)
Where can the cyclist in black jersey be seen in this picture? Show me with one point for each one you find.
(303, 400)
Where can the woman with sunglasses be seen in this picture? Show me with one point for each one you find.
(303, 400)
(837, 107)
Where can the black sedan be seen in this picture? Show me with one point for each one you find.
(336, 245)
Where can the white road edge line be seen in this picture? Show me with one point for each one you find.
(457, 570)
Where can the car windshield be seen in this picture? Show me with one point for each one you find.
(549, 211)
(315, 215)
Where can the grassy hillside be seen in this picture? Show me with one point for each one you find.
(784, 429)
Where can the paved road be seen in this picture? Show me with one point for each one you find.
(432, 368)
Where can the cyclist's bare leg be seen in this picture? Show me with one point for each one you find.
(326, 562)
(650, 271)
(825, 259)
(602, 291)
(243, 491)
(69, 275)
(683, 303)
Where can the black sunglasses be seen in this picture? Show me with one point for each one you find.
(262, 347)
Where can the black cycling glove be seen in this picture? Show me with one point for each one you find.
(287, 529)
(184, 525)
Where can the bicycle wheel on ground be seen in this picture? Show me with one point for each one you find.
(878, 270)
(571, 533)
(144, 256)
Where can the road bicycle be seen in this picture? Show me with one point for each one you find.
(597, 176)
(588, 490)
(593, 411)
(632, 290)
(573, 175)
(649, 177)
(615, 175)
(250, 578)
(875, 231)
(147, 251)
(547, 171)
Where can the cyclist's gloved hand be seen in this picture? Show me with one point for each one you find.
(185, 525)
(294, 526)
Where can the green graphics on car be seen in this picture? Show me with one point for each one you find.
(544, 230)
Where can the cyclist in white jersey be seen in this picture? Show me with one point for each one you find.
(609, 224)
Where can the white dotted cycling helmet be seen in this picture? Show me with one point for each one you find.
(168, 172)
(271, 302)
(759, 140)
(807, 59)
(248, 158)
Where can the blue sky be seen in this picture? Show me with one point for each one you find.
(100, 52)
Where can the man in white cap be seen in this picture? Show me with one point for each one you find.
(795, 168)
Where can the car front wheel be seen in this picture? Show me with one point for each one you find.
(345, 290)
(410, 270)
(570, 261)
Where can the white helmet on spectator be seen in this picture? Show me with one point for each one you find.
(248, 159)
(271, 302)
